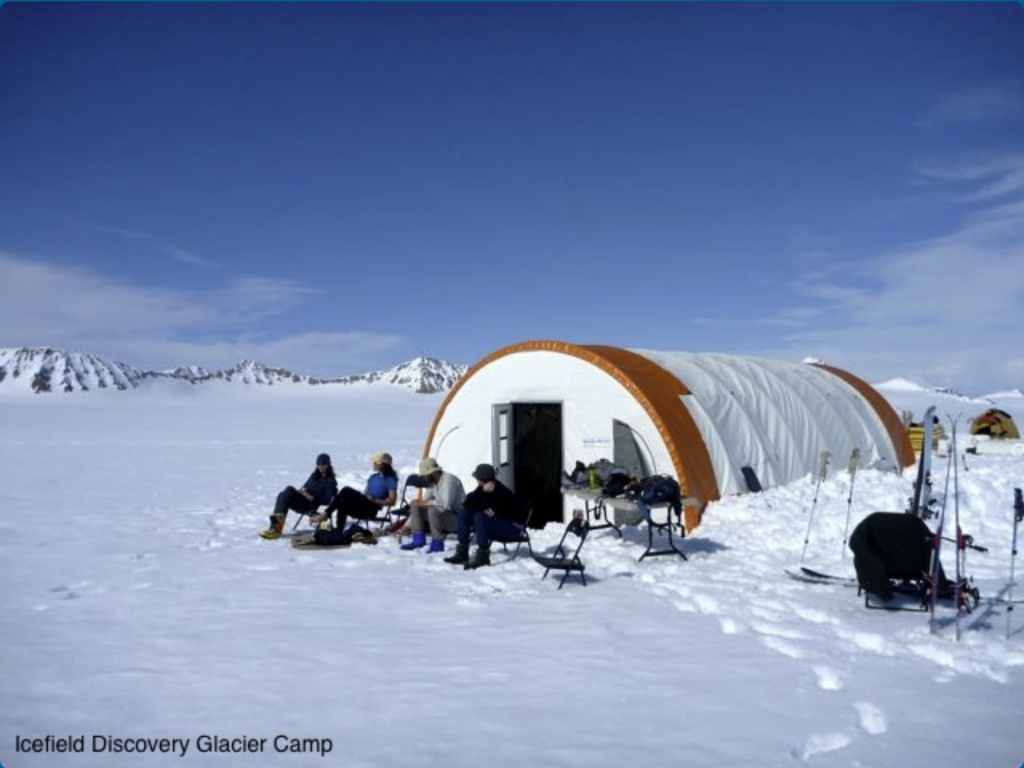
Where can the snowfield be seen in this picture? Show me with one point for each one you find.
(146, 624)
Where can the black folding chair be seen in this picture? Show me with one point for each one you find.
(391, 516)
(562, 560)
(522, 538)
(310, 513)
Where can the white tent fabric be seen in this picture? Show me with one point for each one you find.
(774, 416)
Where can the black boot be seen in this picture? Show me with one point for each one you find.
(461, 555)
(481, 557)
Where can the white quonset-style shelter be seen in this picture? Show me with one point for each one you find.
(534, 409)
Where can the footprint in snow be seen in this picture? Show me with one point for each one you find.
(812, 615)
(706, 604)
(777, 630)
(866, 641)
(729, 627)
(828, 679)
(872, 719)
(820, 743)
(784, 647)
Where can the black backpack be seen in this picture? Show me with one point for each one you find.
(659, 489)
(335, 537)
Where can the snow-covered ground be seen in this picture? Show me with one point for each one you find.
(139, 604)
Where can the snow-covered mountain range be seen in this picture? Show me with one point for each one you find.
(43, 369)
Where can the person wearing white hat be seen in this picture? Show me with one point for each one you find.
(440, 506)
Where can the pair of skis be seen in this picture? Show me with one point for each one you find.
(935, 572)
(921, 504)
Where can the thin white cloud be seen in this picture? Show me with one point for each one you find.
(159, 245)
(984, 176)
(185, 257)
(944, 310)
(42, 304)
(997, 101)
(324, 355)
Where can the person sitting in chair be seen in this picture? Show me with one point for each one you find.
(439, 508)
(492, 512)
(380, 493)
(318, 489)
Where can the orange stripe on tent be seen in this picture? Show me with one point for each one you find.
(898, 434)
(659, 392)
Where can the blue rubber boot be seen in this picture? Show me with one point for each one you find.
(418, 540)
(436, 545)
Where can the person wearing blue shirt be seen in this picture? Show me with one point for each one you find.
(380, 493)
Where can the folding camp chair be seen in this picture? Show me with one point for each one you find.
(309, 513)
(385, 517)
(522, 538)
(562, 560)
(390, 517)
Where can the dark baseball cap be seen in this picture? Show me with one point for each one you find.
(484, 473)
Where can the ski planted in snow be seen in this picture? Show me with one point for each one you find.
(920, 502)
(852, 469)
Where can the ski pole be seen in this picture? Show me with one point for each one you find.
(961, 563)
(852, 467)
(823, 461)
(1018, 516)
(936, 564)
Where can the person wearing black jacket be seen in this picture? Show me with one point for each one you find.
(318, 489)
(491, 511)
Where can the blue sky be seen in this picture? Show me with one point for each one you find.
(339, 187)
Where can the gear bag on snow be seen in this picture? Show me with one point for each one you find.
(335, 537)
(893, 546)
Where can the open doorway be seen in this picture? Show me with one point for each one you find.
(527, 449)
